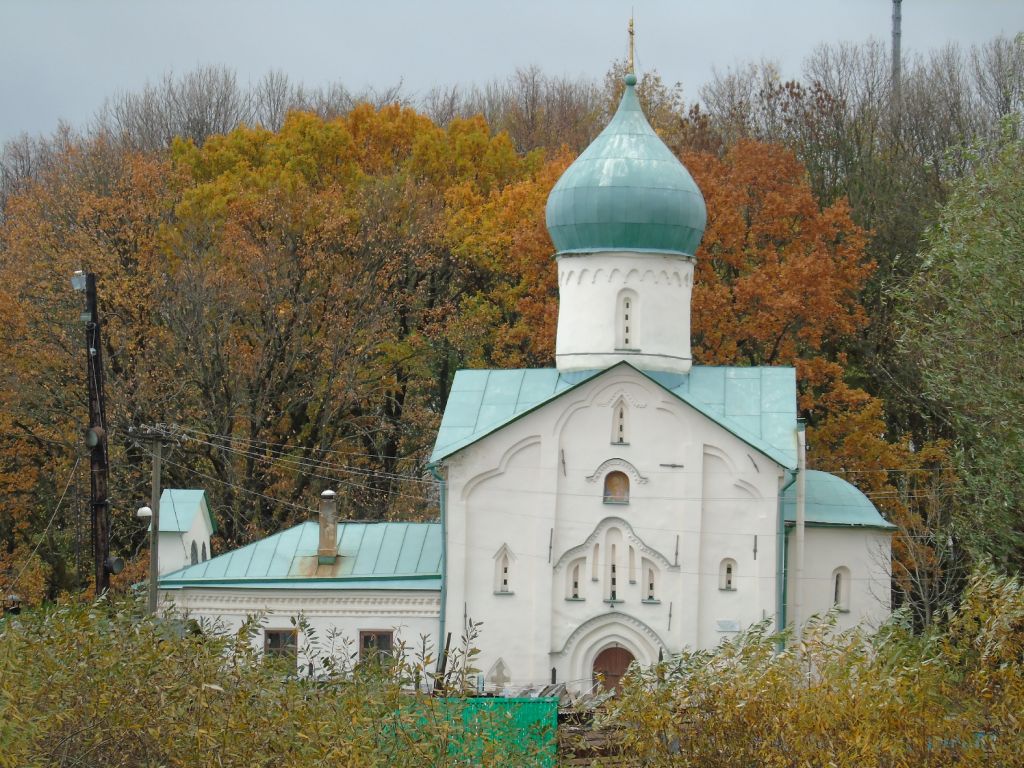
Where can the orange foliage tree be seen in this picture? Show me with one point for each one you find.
(300, 300)
(778, 282)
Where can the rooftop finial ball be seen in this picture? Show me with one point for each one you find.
(630, 79)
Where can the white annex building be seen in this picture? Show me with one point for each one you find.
(621, 506)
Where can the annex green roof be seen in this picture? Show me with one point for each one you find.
(179, 507)
(833, 501)
(405, 556)
(626, 192)
(758, 405)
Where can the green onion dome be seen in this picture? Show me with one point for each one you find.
(626, 192)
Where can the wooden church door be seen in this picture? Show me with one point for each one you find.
(612, 663)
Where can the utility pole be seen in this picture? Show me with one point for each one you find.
(96, 436)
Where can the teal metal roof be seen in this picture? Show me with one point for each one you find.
(758, 405)
(626, 192)
(832, 501)
(371, 556)
(178, 509)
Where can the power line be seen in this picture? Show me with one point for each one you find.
(279, 449)
(49, 522)
(279, 455)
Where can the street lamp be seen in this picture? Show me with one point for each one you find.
(146, 513)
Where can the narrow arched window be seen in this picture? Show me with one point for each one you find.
(616, 488)
(503, 561)
(613, 575)
(194, 553)
(574, 575)
(841, 588)
(620, 415)
(650, 584)
(727, 575)
(626, 321)
(204, 556)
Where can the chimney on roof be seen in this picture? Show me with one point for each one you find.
(327, 552)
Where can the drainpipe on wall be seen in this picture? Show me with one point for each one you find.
(443, 493)
(798, 554)
(781, 557)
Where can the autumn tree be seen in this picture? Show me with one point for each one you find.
(779, 281)
(962, 322)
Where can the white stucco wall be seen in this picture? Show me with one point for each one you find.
(175, 549)
(409, 614)
(589, 287)
(536, 487)
(866, 552)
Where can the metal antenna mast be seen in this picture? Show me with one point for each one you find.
(897, 21)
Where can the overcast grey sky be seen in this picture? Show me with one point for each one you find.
(59, 59)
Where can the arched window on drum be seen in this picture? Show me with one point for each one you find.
(627, 328)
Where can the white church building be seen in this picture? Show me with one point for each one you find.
(622, 506)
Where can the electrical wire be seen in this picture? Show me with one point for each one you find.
(281, 456)
(46, 530)
(281, 448)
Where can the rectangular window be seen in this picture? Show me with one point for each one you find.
(281, 643)
(375, 643)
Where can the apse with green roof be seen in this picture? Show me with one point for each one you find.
(625, 220)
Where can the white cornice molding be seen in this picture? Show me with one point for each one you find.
(320, 606)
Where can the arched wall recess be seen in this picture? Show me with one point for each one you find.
(506, 458)
(603, 396)
(590, 545)
(614, 392)
(605, 621)
(749, 489)
(718, 453)
(616, 464)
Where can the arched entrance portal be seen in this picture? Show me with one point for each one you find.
(612, 663)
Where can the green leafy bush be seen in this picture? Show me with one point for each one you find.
(953, 696)
(101, 684)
